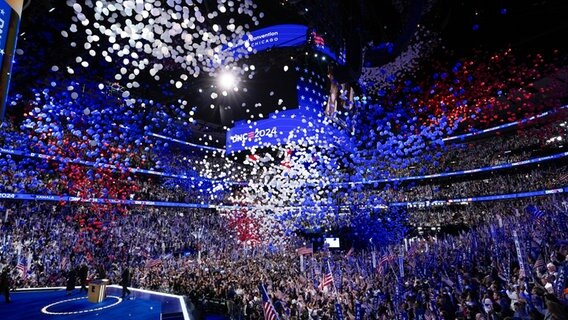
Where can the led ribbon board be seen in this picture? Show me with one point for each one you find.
(278, 36)
(10, 11)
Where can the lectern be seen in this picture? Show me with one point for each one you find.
(97, 290)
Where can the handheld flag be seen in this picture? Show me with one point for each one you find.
(22, 268)
(153, 262)
(328, 277)
(535, 212)
(304, 250)
(269, 311)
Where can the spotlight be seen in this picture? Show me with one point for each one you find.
(227, 80)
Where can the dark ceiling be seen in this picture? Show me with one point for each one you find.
(463, 26)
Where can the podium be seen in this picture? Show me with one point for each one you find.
(97, 290)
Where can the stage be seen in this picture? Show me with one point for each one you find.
(55, 304)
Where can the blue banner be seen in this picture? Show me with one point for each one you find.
(358, 311)
(200, 146)
(338, 312)
(376, 300)
(561, 281)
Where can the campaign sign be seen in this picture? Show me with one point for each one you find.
(269, 132)
(282, 35)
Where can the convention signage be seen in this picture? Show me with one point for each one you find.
(282, 35)
(269, 132)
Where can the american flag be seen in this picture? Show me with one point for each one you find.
(153, 262)
(304, 250)
(269, 311)
(539, 263)
(250, 135)
(328, 277)
(535, 212)
(386, 259)
(384, 262)
(22, 268)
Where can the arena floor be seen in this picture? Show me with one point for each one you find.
(55, 304)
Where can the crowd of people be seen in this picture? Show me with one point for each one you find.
(547, 136)
(38, 176)
(151, 153)
(474, 274)
(477, 273)
(198, 253)
(69, 134)
(544, 177)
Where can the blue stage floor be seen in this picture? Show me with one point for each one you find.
(55, 304)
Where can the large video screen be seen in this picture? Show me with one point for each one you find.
(332, 242)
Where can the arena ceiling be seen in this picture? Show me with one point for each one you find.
(362, 25)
